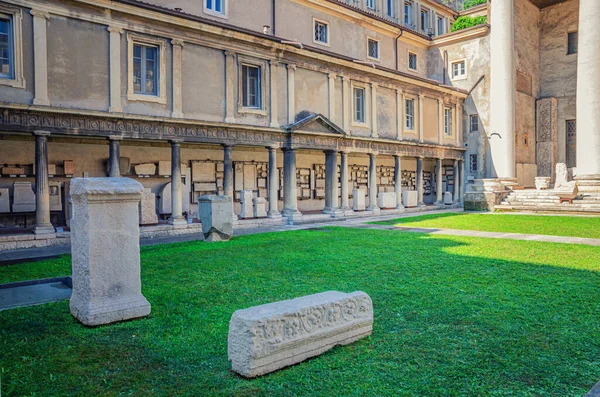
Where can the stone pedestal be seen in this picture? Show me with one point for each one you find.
(105, 244)
(55, 196)
(246, 204)
(542, 183)
(359, 197)
(410, 198)
(387, 200)
(448, 198)
(216, 214)
(4, 201)
(547, 136)
(485, 194)
(148, 208)
(23, 197)
(260, 207)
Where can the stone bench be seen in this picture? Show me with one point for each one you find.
(265, 338)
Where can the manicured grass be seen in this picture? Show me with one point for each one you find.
(454, 316)
(570, 226)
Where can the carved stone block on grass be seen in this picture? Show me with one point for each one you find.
(105, 247)
(265, 338)
(216, 214)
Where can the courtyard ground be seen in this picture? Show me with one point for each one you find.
(571, 226)
(454, 316)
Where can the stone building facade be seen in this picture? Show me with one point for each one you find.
(298, 101)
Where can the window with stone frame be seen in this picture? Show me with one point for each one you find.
(408, 7)
(359, 105)
(372, 49)
(424, 20)
(6, 47)
(390, 8)
(474, 123)
(215, 7)
(370, 4)
(410, 114)
(145, 69)
(473, 163)
(571, 143)
(251, 86)
(448, 121)
(459, 69)
(441, 25)
(572, 43)
(412, 61)
(321, 32)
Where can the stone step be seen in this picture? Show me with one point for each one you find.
(558, 208)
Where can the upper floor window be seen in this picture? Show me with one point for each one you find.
(145, 69)
(370, 4)
(251, 87)
(359, 105)
(408, 13)
(448, 121)
(217, 7)
(410, 114)
(321, 32)
(372, 49)
(424, 20)
(474, 118)
(459, 70)
(6, 48)
(473, 163)
(412, 60)
(441, 25)
(390, 8)
(572, 43)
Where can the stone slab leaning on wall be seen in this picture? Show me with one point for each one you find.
(266, 338)
(105, 247)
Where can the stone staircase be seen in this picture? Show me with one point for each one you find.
(546, 201)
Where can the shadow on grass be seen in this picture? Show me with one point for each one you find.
(453, 316)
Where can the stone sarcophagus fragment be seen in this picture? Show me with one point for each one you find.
(265, 338)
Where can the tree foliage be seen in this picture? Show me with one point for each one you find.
(467, 21)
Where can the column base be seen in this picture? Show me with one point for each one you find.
(178, 223)
(292, 215)
(109, 310)
(334, 212)
(274, 215)
(375, 210)
(44, 230)
(439, 203)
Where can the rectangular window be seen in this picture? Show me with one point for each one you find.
(145, 69)
(572, 43)
(474, 123)
(459, 69)
(371, 4)
(6, 48)
(390, 8)
(412, 61)
(448, 121)
(441, 25)
(407, 13)
(571, 143)
(372, 49)
(473, 163)
(359, 105)
(217, 6)
(251, 89)
(321, 32)
(410, 114)
(424, 20)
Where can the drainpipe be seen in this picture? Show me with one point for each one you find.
(395, 45)
(273, 17)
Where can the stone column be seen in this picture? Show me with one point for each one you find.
(177, 219)
(455, 196)
(105, 242)
(290, 200)
(439, 198)
(502, 91)
(373, 183)
(230, 79)
(588, 104)
(177, 111)
(114, 156)
(398, 181)
(344, 181)
(43, 226)
(331, 182)
(420, 201)
(273, 184)
(40, 57)
(228, 175)
(461, 181)
(115, 69)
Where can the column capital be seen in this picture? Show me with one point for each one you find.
(115, 137)
(229, 53)
(227, 146)
(397, 155)
(273, 147)
(40, 14)
(177, 42)
(330, 151)
(41, 133)
(115, 29)
(373, 154)
(288, 149)
(331, 76)
(174, 142)
(291, 66)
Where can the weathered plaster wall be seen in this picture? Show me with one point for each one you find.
(386, 113)
(430, 120)
(77, 64)
(558, 71)
(312, 94)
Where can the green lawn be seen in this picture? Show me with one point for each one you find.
(454, 316)
(571, 226)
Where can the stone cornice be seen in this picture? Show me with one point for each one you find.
(461, 35)
(23, 119)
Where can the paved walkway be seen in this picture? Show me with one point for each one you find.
(474, 233)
